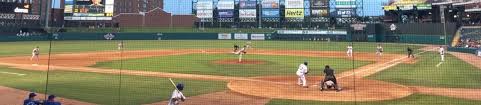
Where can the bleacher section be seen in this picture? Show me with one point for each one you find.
(468, 37)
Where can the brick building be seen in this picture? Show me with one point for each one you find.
(148, 13)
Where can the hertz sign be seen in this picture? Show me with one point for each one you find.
(294, 13)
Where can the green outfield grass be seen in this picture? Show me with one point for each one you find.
(453, 73)
(104, 88)
(416, 99)
(204, 64)
(25, 48)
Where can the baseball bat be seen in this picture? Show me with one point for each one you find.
(173, 84)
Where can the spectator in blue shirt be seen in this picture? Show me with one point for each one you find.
(51, 101)
(31, 100)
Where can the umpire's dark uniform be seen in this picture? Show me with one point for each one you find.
(329, 76)
(410, 53)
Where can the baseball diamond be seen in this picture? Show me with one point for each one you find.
(240, 52)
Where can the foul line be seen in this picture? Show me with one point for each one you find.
(18, 74)
(388, 66)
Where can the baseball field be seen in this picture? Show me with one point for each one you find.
(97, 72)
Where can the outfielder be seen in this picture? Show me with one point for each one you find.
(177, 95)
(301, 73)
(349, 51)
(379, 50)
(441, 52)
(35, 54)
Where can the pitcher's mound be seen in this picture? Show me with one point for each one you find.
(236, 61)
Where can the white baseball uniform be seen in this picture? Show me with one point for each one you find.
(441, 52)
(301, 73)
(176, 97)
(120, 46)
(35, 53)
(349, 51)
(379, 50)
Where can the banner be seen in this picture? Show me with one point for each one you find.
(247, 13)
(424, 6)
(319, 3)
(294, 13)
(247, 4)
(225, 4)
(343, 13)
(294, 3)
(320, 12)
(270, 4)
(205, 4)
(204, 13)
(224, 36)
(270, 13)
(258, 37)
(226, 13)
(345, 4)
(241, 36)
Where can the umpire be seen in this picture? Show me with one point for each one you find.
(410, 53)
(329, 76)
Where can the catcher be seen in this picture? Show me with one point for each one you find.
(330, 80)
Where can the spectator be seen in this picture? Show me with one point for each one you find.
(51, 101)
(31, 100)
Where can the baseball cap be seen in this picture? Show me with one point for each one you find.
(32, 95)
(51, 97)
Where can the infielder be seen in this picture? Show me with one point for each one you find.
(35, 54)
(177, 95)
(120, 46)
(349, 51)
(379, 50)
(441, 52)
(301, 73)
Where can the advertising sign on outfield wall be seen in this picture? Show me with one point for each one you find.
(270, 4)
(319, 3)
(294, 3)
(247, 13)
(205, 4)
(225, 4)
(226, 13)
(204, 13)
(224, 36)
(247, 4)
(241, 36)
(258, 37)
(319, 13)
(270, 13)
(294, 13)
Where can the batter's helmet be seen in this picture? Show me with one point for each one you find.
(180, 86)
(305, 63)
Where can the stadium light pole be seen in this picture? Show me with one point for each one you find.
(47, 14)
(260, 14)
